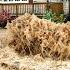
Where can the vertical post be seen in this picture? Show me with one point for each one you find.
(25, 8)
(16, 10)
(31, 2)
(33, 8)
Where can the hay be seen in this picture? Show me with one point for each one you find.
(29, 35)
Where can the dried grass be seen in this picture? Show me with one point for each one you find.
(30, 35)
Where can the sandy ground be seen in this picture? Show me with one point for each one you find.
(10, 60)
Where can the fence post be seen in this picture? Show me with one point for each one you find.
(32, 8)
(31, 2)
(16, 10)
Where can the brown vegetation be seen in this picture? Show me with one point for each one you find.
(29, 35)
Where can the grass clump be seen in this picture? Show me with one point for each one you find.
(29, 35)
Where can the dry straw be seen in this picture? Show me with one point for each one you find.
(30, 35)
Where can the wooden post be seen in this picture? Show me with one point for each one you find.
(16, 10)
(33, 8)
(31, 2)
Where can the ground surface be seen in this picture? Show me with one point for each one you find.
(10, 60)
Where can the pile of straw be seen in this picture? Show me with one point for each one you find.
(29, 35)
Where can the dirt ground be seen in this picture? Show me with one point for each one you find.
(10, 60)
